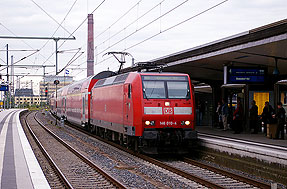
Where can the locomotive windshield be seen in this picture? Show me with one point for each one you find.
(162, 87)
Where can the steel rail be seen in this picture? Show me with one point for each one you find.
(177, 171)
(48, 157)
(113, 181)
(152, 160)
(227, 173)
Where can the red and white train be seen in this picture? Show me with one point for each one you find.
(153, 111)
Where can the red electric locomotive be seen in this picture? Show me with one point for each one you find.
(152, 111)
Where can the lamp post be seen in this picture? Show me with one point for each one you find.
(7, 93)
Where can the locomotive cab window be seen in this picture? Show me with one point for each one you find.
(154, 89)
(160, 87)
(177, 89)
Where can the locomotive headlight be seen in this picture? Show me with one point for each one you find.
(147, 122)
(167, 104)
(187, 122)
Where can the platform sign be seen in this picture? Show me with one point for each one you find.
(4, 88)
(246, 75)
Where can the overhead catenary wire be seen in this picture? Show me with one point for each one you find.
(46, 42)
(20, 50)
(173, 26)
(75, 30)
(67, 50)
(167, 29)
(105, 30)
(3, 60)
(118, 19)
(21, 40)
(84, 21)
(71, 60)
(136, 20)
(21, 59)
(35, 51)
(80, 72)
(51, 17)
(60, 24)
(144, 26)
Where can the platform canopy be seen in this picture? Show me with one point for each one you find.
(260, 47)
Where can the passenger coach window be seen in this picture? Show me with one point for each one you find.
(154, 89)
(177, 89)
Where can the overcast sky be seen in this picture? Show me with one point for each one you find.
(41, 18)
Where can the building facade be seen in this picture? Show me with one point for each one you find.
(25, 97)
(48, 82)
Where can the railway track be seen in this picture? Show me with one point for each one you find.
(215, 175)
(73, 168)
(60, 180)
(224, 173)
(205, 175)
(216, 178)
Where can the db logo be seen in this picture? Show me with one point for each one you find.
(167, 111)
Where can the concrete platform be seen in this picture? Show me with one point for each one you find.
(245, 144)
(19, 167)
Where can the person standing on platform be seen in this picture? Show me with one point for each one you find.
(280, 115)
(219, 116)
(224, 113)
(253, 117)
(266, 115)
(238, 118)
(198, 113)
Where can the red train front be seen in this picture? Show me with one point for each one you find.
(153, 111)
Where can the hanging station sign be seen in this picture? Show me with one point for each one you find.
(4, 88)
(246, 75)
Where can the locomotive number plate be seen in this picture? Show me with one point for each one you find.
(168, 123)
(167, 111)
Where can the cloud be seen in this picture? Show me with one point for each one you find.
(24, 18)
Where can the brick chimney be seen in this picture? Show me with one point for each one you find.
(90, 47)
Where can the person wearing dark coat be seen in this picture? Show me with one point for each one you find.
(266, 115)
(219, 115)
(280, 115)
(224, 113)
(254, 117)
(238, 118)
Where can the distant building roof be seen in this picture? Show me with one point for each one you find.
(24, 92)
(52, 78)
